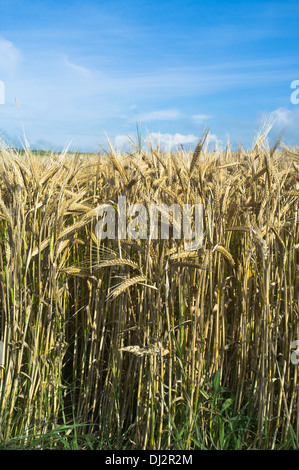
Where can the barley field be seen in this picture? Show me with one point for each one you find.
(141, 344)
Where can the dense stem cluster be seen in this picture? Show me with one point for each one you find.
(140, 342)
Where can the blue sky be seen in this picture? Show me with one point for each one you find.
(80, 69)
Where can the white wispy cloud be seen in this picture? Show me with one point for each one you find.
(213, 139)
(9, 56)
(76, 67)
(197, 80)
(200, 117)
(160, 115)
(281, 120)
(123, 141)
(283, 116)
(172, 140)
(167, 141)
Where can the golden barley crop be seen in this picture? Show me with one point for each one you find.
(141, 342)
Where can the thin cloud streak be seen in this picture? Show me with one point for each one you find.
(162, 115)
(9, 56)
(75, 67)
